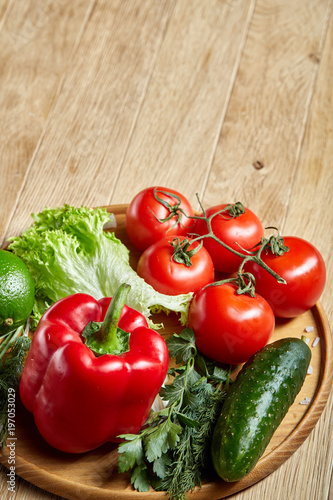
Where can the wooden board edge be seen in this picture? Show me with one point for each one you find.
(267, 464)
(273, 460)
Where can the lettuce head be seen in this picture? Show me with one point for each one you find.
(68, 251)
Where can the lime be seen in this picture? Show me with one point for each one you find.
(16, 292)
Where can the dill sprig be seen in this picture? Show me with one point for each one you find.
(172, 452)
(191, 461)
(12, 356)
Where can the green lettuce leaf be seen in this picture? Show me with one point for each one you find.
(67, 251)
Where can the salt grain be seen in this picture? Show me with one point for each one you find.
(27, 328)
(305, 401)
(315, 342)
(307, 341)
(309, 329)
(310, 370)
(158, 404)
(111, 224)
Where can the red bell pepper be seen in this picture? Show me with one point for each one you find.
(80, 397)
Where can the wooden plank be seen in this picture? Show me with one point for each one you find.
(313, 181)
(25, 491)
(309, 192)
(28, 81)
(277, 73)
(4, 5)
(36, 40)
(265, 121)
(176, 133)
(90, 125)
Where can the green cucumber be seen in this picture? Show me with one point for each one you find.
(258, 400)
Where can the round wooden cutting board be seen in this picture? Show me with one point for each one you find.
(94, 475)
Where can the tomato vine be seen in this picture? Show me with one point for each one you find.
(246, 281)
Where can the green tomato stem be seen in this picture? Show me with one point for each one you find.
(253, 256)
(234, 211)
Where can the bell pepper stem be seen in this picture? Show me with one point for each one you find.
(108, 332)
(107, 337)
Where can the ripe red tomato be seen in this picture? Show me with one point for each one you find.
(244, 231)
(157, 267)
(304, 270)
(230, 328)
(142, 225)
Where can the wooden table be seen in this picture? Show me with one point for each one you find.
(229, 99)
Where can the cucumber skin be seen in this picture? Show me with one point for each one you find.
(258, 400)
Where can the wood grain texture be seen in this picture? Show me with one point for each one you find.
(310, 214)
(268, 108)
(89, 128)
(29, 79)
(186, 99)
(308, 473)
(230, 99)
(4, 5)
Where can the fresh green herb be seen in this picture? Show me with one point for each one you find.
(172, 451)
(67, 251)
(11, 367)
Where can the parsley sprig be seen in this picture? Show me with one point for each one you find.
(172, 451)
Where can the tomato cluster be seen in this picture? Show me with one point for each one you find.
(182, 252)
(147, 233)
